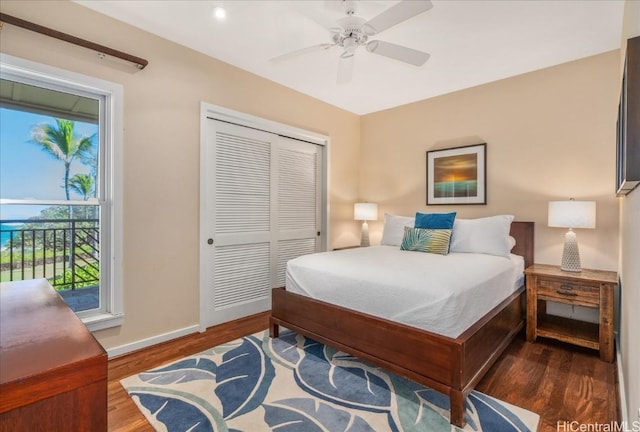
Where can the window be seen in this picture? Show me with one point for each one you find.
(60, 211)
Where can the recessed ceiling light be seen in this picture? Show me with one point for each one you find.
(220, 13)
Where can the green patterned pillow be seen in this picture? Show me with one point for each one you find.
(426, 240)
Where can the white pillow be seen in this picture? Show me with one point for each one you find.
(512, 243)
(489, 235)
(393, 230)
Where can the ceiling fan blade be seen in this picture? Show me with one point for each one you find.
(301, 51)
(345, 68)
(396, 14)
(398, 52)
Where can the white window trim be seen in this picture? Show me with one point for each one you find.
(112, 313)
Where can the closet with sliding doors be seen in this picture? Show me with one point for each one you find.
(263, 202)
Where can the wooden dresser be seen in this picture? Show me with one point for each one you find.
(53, 372)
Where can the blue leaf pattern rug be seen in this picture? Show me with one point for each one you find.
(294, 384)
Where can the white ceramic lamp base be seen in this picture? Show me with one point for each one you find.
(364, 237)
(570, 253)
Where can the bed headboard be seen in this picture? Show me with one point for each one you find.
(523, 233)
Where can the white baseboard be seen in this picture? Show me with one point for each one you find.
(154, 340)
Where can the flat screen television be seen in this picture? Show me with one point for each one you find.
(628, 127)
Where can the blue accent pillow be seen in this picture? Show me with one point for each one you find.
(435, 220)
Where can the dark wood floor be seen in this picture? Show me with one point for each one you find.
(559, 382)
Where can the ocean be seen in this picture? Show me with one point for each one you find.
(5, 233)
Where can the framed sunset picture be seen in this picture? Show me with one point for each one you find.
(457, 175)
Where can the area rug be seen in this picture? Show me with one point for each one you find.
(295, 384)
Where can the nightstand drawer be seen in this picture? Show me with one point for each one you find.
(568, 292)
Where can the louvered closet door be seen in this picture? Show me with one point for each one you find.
(298, 221)
(239, 207)
(262, 203)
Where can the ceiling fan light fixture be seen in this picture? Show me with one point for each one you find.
(350, 44)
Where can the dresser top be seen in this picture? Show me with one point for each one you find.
(39, 332)
(601, 276)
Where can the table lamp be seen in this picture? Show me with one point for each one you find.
(365, 212)
(571, 214)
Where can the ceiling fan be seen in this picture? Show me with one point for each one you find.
(353, 31)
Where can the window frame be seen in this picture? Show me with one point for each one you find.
(110, 95)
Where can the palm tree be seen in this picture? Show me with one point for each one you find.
(82, 184)
(61, 142)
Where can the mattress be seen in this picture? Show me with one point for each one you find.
(444, 294)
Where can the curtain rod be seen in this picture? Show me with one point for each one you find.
(139, 62)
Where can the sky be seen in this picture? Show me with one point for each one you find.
(26, 171)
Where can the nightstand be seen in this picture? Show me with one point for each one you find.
(590, 288)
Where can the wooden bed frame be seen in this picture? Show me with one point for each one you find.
(451, 366)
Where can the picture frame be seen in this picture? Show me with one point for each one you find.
(457, 175)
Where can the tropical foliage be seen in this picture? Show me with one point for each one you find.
(82, 184)
(62, 142)
(81, 276)
(61, 233)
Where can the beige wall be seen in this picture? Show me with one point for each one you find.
(161, 150)
(629, 337)
(549, 134)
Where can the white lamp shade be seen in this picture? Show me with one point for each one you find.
(572, 214)
(365, 211)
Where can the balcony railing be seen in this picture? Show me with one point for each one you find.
(66, 252)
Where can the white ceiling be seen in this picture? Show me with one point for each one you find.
(471, 42)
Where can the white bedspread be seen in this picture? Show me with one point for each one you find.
(444, 294)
